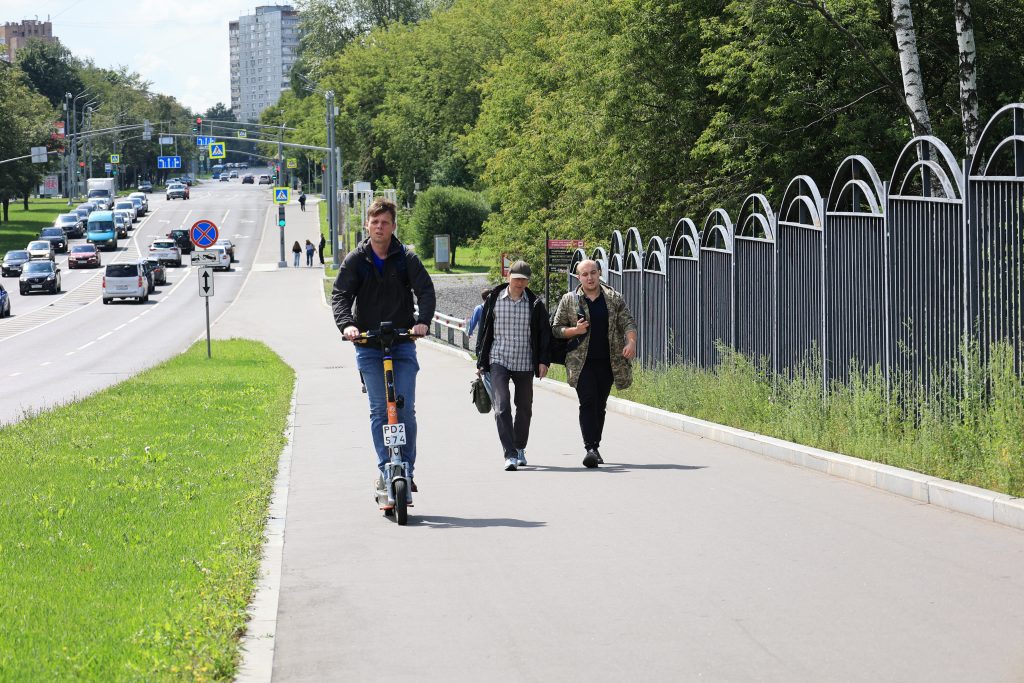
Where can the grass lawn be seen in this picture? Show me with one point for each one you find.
(24, 226)
(131, 522)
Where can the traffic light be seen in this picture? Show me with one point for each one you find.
(195, 129)
(280, 217)
(199, 121)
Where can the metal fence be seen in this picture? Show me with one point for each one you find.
(898, 276)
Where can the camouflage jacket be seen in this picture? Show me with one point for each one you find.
(620, 321)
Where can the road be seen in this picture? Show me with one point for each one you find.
(59, 347)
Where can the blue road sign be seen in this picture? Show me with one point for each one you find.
(203, 234)
(168, 162)
(281, 195)
(203, 141)
(217, 150)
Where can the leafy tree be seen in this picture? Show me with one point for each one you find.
(51, 69)
(25, 122)
(454, 211)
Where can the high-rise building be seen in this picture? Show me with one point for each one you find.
(263, 49)
(13, 36)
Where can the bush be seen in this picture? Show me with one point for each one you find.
(455, 211)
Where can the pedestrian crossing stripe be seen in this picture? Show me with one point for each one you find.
(281, 195)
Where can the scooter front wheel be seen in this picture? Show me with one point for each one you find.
(401, 502)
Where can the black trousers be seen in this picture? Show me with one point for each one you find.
(513, 434)
(593, 387)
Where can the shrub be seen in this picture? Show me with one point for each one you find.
(455, 211)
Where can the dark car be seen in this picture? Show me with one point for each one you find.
(14, 261)
(159, 270)
(84, 255)
(145, 186)
(71, 224)
(56, 237)
(182, 239)
(40, 276)
(147, 269)
(248, 179)
(82, 213)
(5, 303)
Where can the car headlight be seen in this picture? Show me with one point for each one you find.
(51, 276)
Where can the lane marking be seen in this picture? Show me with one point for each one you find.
(45, 363)
(14, 374)
(70, 353)
(85, 346)
(104, 335)
(119, 327)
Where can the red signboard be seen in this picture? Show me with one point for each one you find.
(565, 244)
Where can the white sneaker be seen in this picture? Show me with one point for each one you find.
(511, 464)
(521, 457)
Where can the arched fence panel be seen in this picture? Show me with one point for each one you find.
(798, 276)
(755, 280)
(716, 286)
(855, 271)
(995, 240)
(633, 289)
(653, 330)
(615, 261)
(574, 282)
(600, 256)
(925, 255)
(684, 300)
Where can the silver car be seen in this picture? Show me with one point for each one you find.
(125, 281)
(41, 250)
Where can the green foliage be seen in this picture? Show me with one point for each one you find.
(25, 122)
(24, 224)
(130, 549)
(51, 69)
(455, 211)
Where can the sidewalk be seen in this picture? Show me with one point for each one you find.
(683, 558)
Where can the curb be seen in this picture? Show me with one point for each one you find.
(259, 641)
(949, 495)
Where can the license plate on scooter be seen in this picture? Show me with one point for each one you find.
(394, 435)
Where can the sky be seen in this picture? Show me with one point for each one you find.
(180, 47)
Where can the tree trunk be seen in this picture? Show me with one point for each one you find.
(453, 255)
(968, 73)
(25, 202)
(910, 65)
(7, 204)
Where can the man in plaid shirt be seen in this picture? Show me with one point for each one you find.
(513, 346)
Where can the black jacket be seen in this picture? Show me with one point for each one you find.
(540, 330)
(364, 297)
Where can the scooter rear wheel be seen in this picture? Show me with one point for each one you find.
(401, 502)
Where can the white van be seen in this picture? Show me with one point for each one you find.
(125, 281)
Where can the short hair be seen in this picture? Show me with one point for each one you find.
(597, 263)
(484, 294)
(383, 205)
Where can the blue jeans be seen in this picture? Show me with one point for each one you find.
(371, 364)
(297, 255)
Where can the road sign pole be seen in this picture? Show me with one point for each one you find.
(330, 192)
(208, 327)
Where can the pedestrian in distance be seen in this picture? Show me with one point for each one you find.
(320, 247)
(478, 312)
(376, 282)
(513, 347)
(302, 201)
(598, 316)
(296, 252)
(310, 249)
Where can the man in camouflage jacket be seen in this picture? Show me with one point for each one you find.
(597, 316)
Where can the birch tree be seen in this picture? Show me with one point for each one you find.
(968, 58)
(910, 66)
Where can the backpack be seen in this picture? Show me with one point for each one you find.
(559, 348)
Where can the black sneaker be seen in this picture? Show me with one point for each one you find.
(414, 488)
(591, 459)
(600, 460)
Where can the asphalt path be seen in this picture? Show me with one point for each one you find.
(56, 348)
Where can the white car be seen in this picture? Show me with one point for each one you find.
(166, 251)
(143, 196)
(228, 247)
(125, 281)
(223, 260)
(126, 205)
(41, 249)
(123, 223)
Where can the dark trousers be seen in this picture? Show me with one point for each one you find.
(593, 387)
(513, 433)
(321, 256)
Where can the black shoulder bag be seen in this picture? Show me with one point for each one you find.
(559, 348)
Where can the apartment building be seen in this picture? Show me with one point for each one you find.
(263, 48)
(14, 36)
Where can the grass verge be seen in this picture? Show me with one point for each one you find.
(131, 523)
(24, 226)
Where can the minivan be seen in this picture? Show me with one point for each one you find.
(101, 230)
(125, 281)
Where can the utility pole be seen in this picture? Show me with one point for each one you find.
(330, 191)
(280, 152)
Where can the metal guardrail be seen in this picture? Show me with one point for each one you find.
(446, 327)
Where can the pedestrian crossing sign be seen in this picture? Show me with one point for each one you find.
(292, 163)
(217, 150)
(281, 195)
(115, 158)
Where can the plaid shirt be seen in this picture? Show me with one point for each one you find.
(511, 348)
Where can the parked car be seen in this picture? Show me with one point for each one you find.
(84, 256)
(124, 281)
(166, 251)
(5, 303)
(56, 237)
(264, 179)
(181, 238)
(228, 247)
(177, 191)
(159, 271)
(145, 186)
(248, 179)
(40, 276)
(122, 221)
(72, 225)
(14, 261)
(147, 270)
(127, 205)
(101, 230)
(41, 249)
